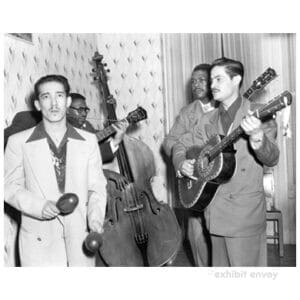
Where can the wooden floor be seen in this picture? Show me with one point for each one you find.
(184, 258)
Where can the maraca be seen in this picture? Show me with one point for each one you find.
(93, 241)
(67, 203)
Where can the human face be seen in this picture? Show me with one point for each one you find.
(78, 111)
(223, 88)
(199, 83)
(52, 102)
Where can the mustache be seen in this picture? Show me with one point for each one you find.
(54, 109)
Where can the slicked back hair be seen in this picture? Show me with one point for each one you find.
(51, 78)
(232, 67)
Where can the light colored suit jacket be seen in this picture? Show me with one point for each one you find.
(238, 208)
(30, 181)
(189, 117)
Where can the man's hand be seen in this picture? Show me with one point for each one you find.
(50, 210)
(96, 226)
(252, 127)
(120, 181)
(187, 168)
(120, 128)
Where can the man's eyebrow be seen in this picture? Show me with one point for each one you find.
(42, 94)
(216, 76)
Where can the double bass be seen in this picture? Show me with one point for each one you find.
(138, 229)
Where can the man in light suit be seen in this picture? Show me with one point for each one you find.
(43, 163)
(236, 217)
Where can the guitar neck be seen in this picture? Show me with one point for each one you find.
(248, 93)
(105, 133)
(269, 109)
(225, 142)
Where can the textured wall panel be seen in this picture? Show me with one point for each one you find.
(136, 78)
(135, 65)
(65, 54)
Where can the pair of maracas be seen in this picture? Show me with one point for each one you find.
(66, 205)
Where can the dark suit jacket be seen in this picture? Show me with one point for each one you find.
(238, 208)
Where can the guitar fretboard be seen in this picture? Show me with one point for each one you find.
(279, 102)
(105, 133)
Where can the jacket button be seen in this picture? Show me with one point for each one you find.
(230, 196)
(243, 169)
(39, 239)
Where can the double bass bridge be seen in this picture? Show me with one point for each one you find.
(134, 208)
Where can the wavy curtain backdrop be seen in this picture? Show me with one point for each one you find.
(258, 52)
(181, 53)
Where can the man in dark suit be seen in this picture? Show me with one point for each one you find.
(236, 216)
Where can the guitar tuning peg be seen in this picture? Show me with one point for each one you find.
(105, 64)
(108, 70)
(93, 70)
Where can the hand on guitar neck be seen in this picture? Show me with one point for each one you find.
(252, 127)
(120, 127)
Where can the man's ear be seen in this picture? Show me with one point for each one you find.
(237, 79)
(37, 105)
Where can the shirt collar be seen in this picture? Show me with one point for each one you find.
(206, 107)
(233, 108)
(39, 133)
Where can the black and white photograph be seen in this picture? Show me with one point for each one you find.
(150, 156)
(189, 158)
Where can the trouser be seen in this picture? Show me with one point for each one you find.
(199, 239)
(239, 251)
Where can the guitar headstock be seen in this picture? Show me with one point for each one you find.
(260, 82)
(137, 115)
(279, 102)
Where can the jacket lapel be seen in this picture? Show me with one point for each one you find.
(242, 111)
(213, 128)
(75, 164)
(39, 158)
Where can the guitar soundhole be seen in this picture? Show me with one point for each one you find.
(203, 165)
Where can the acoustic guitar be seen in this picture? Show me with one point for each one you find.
(215, 161)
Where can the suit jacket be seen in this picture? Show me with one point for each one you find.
(238, 208)
(30, 181)
(187, 119)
